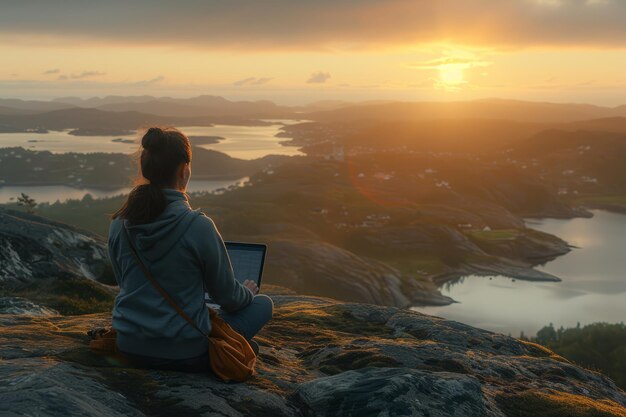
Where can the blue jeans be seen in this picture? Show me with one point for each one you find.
(251, 319)
(248, 321)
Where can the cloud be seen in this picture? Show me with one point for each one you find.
(356, 86)
(87, 74)
(151, 81)
(451, 70)
(449, 61)
(252, 81)
(317, 25)
(51, 71)
(318, 77)
(81, 75)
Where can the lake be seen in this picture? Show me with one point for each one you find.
(593, 287)
(52, 193)
(245, 142)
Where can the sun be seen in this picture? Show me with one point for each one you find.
(451, 76)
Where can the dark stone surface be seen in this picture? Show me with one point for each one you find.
(35, 248)
(317, 357)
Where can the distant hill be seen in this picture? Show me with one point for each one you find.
(607, 124)
(550, 141)
(13, 111)
(330, 110)
(81, 118)
(31, 105)
(336, 104)
(454, 135)
(205, 105)
(595, 158)
(88, 118)
(100, 101)
(156, 107)
(484, 135)
(129, 111)
(523, 111)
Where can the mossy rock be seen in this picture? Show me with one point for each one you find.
(556, 404)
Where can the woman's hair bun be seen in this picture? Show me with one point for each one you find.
(154, 139)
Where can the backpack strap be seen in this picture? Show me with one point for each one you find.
(158, 287)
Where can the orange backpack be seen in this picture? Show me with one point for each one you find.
(230, 355)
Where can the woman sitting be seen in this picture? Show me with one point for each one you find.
(185, 253)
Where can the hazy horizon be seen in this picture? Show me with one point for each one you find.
(569, 51)
(303, 102)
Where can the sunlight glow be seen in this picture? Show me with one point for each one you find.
(451, 77)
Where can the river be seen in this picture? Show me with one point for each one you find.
(593, 287)
(244, 142)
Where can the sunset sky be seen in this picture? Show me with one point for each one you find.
(295, 52)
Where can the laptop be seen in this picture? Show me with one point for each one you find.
(247, 260)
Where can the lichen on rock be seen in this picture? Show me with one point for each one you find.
(318, 357)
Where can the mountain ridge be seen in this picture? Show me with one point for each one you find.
(326, 110)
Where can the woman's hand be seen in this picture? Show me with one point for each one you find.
(251, 285)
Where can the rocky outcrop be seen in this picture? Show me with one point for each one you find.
(318, 357)
(48, 267)
(35, 248)
(318, 268)
(526, 245)
(22, 306)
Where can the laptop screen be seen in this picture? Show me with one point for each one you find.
(247, 260)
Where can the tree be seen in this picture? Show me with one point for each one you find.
(600, 346)
(27, 202)
(547, 335)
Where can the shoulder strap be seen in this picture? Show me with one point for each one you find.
(158, 287)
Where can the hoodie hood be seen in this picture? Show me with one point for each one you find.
(155, 239)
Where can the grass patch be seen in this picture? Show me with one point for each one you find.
(356, 359)
(430, 264)
(609, 202)
(490, 235)
(556, 404)
(336, 319)
(68, 296)
(301, 325)
(538, 351)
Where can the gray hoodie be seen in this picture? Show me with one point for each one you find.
(185, 253)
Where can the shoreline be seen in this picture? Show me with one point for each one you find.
(112, 187)
(500, 267)
(529, 274)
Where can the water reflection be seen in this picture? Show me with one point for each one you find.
(245, 142)
(52, 193)
(593, 287)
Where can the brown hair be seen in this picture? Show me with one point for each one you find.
(163, 150)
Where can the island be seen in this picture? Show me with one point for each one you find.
(101, 131)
